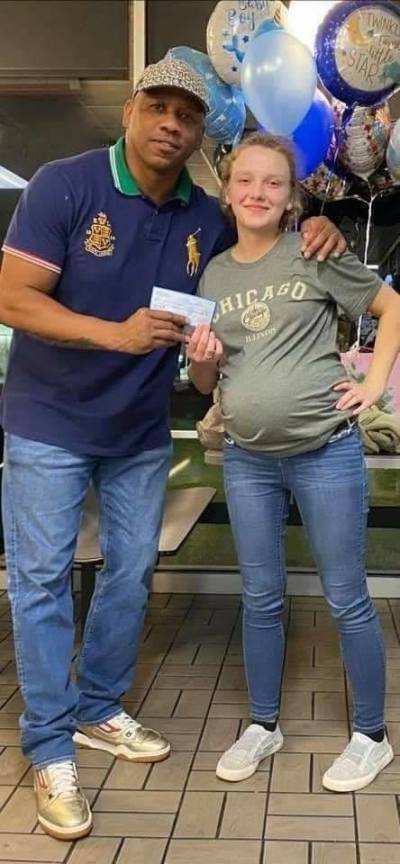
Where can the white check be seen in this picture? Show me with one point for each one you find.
(196, 310)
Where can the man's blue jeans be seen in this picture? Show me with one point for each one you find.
(330, 488)
(43, 491)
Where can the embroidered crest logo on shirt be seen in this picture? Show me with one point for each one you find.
(99, 237)
(256, 317)
(193, 254)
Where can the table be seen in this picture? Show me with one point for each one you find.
(378, 516)
(183, 509)
(5, 342)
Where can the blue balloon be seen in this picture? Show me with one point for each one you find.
(227, 116)
(313, 136)
(356, 50)
(279, 79)
(266, 27)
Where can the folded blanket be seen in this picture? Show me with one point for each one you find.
(380, 431)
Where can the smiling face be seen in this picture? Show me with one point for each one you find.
(163, 127)
(259, 189)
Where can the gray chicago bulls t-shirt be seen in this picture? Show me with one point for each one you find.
(277, 319)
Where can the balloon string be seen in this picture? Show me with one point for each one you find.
(331, 175)
(366, 250)
(346, 117)
(210, 166)
(368, 229)
(329, 183)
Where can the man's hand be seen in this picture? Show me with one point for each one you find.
(148, 329)
(320, 236)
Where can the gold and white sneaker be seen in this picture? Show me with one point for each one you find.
(63, 809)
(124, 737)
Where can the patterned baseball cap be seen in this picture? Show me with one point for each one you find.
(175, 73)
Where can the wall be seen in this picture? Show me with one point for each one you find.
(64, 38)
(170, 23)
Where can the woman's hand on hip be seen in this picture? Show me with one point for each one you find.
(357, 395)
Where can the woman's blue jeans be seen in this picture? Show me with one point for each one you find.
(43, 491)
(330, 488)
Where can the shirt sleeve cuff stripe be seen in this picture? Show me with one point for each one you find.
(33, 259)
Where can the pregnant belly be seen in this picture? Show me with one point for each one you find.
(270, 411)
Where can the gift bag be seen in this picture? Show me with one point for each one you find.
(211, 428)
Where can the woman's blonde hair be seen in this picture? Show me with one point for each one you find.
(270, 142)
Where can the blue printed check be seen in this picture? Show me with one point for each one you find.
(196, 310)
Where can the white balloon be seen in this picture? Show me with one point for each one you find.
(304, 18)
(231, 28)
(363, 138)
(395, 135)
(393, 153)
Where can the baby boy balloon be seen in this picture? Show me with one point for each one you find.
(231, 28)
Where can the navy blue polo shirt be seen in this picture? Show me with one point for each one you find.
(85, 219)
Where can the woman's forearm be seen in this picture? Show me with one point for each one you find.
(204, 376)
(387, 347)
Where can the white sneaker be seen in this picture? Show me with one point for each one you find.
(245, 755)
(358, 765)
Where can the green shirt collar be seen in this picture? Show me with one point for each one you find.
(125, 182)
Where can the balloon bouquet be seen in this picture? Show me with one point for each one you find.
(329, 101)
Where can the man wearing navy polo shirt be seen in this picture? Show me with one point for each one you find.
(86, 400)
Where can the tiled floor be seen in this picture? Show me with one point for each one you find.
(190, 684)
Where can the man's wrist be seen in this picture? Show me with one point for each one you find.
(106, 335)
